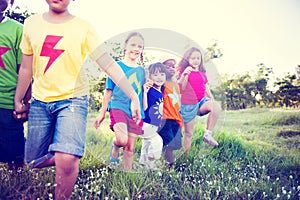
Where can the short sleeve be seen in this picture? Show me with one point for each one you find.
(25, 42)
(96, 48)
(205, 80)
(110, 84)
(92, 40)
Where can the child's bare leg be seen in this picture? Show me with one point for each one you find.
(121, 138)
(188, 135)
(128, 152)
(67, 168)
(169, 156)
(214, 110)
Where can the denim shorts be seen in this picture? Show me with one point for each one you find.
(189, 112)
(58, 126)
(11, 138)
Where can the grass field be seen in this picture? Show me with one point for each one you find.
(258, 158)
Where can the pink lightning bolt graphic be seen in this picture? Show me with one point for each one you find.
(49, 51)
(3, 50)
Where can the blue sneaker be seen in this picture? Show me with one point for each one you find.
(113, 160)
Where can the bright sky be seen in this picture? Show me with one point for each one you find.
(248, 31)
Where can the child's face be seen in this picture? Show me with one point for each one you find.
(134, 47)
(170, 68)
(58, 5)
(158, 78)
(195, 59)
(3, 5)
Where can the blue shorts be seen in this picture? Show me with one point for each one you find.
(56, 127)
(190, 111)
(12, 140)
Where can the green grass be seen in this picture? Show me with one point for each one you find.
(257, 158)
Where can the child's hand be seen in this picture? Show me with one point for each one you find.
(147, 85)
(99, 120)
(135, 108)
(21, 112)
(187, 71)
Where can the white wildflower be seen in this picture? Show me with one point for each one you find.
(283, 191)
(48, 184)
(237, 189)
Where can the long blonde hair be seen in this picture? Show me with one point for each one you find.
(133, 34)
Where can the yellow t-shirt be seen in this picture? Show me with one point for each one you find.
(58, 54)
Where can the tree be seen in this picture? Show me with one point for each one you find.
(18, 15)
(244, 91)
(288, 92)
(213, 51)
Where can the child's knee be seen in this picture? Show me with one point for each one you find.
(216, 108)
(157, 154)
(158, 142)
(121, 141)
(188, 134)
(129, 147)
(67, 164)
(155, 148)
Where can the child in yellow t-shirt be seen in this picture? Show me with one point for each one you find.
(54, 46)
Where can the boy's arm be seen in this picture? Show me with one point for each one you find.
(23, 85)
(27, 95)
(146, 88)
(107, 64)
(26, 102)
(28, 92)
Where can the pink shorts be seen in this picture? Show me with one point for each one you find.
(118, 116)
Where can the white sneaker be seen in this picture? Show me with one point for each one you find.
(209, 139)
